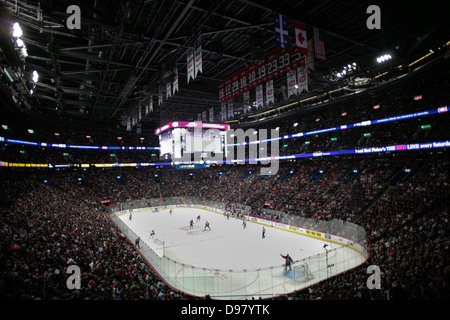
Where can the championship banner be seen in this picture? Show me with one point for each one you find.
(291, 82)
(230, 109)
(272, 64)
(168, 90)
(190, 65)
(246, 101)
(150, 104)
(302, 79)
(269, 92)
(198, 61)
(175, 81)
(223, 112)
(204, 116)
(211, 114)
(199, 117)
(259, 96)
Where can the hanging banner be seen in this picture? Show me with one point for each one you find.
(211, 115)
(252, 80)
(150, 104)
(310, 61)
(204, 116)
(261, 73)
(272, 64)
(243, 80)
(168, 90)
(198, 61)
(259, 96)
(269, 92)
(223, 112)
(235, 84)
(284, 61)
(302, 79)
(175, 81)
(190, 65)
(291, 82)
(228, 89)
(246, 101)
(230, 109)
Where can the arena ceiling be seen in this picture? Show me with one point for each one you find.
(125, 50)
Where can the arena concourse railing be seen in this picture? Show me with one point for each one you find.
(344, 249)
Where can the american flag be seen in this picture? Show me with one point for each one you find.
(281, 30)
(319, 44)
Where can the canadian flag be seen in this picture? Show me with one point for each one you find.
(300, 37)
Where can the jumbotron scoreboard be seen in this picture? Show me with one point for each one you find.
(183, 140)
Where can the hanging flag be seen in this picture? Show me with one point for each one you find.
(246, 101)
(230, 109)
(168, 90)
(211, 114)
(150, 104)
(199, 116)
(198, 60)
(175, 81)
(291, 82)
(302, 79)
(310, 62)
(204, 116)
(259, 96)
(223, 112)
(281, 30)
(129, 124)
(190, 65)
(269, 92)
(139, 115)
(319, 44)
(301, 41)
(272, 64)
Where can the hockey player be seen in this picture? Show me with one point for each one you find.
(207, 226)
(198, 218)
(264, 233)
(170, 211)
(288, 261)
(136, 243)
(244, 224)
(129, 218)
(191, 224)
(152, 233)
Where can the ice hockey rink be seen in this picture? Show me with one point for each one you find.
(236, 260)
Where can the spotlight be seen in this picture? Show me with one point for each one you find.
(35, 76)
(17, 30)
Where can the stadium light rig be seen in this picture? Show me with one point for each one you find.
(384, 58)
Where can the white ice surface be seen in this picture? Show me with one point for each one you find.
(227, 246)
